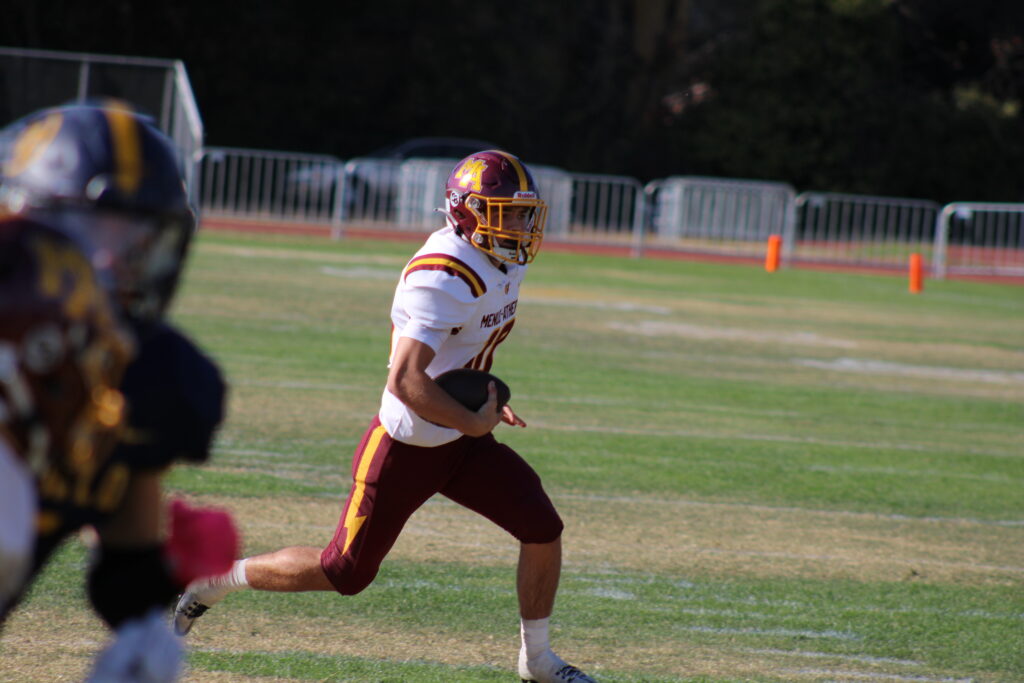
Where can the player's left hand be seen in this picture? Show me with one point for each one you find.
(508, 416)
(145, 650)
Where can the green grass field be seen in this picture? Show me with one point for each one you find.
(797, 476)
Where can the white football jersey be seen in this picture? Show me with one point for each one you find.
(452, 298)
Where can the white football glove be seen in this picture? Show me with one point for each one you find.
(144, 650)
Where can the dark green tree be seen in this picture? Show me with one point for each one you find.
(863, 96)
(892, 97)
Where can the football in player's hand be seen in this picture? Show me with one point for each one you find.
(469, 387)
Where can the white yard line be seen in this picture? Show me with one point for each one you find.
(879, 367)
(287, 254)
(870, 676)
(791, 633)
(863, 659)
(274, 384)
(361, 273)
(534, 300)
(644, 500)
(782, 438)
(660, 328)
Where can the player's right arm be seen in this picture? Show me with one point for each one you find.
(409, 381)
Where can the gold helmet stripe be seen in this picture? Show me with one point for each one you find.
(125, 138)
(524, 184)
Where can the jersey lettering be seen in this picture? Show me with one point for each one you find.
(498, 317)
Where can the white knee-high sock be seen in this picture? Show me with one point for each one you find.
(236, 578)
(213, 588)
(535, 637)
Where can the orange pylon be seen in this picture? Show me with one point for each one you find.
(771, 259)
(916, 274)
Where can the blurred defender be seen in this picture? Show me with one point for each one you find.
(455, 303)
(107, 178)
(62, 355)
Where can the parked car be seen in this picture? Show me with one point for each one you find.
(371, 180)
(431, 148)
(307, 184)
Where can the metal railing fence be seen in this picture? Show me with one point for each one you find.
(688, 213)
(861, 229)
(979, 238)
(365, 192)
(606, 207)
(269, 185)
(403, 195)
(35, 79)
(720, 214)
(420, 193)
(556, 187)
(369, 190)
(717, 216)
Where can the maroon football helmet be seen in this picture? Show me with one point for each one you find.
(62, 352)
(491, 198)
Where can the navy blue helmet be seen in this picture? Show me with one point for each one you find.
(108, 177)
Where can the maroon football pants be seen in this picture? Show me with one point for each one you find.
(391, 480)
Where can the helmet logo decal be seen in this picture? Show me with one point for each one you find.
(124, 137)
(470, 174)
(32, 142)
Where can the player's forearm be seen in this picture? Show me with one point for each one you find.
(425, 398)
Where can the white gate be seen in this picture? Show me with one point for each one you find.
(269, 185)
(721, 215)
(979, 238)
(862, 230)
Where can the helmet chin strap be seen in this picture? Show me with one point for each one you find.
(454, 224)
(451, 219)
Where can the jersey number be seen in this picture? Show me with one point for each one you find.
(485, 358)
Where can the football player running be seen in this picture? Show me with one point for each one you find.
(107, 178)
(455, 303)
